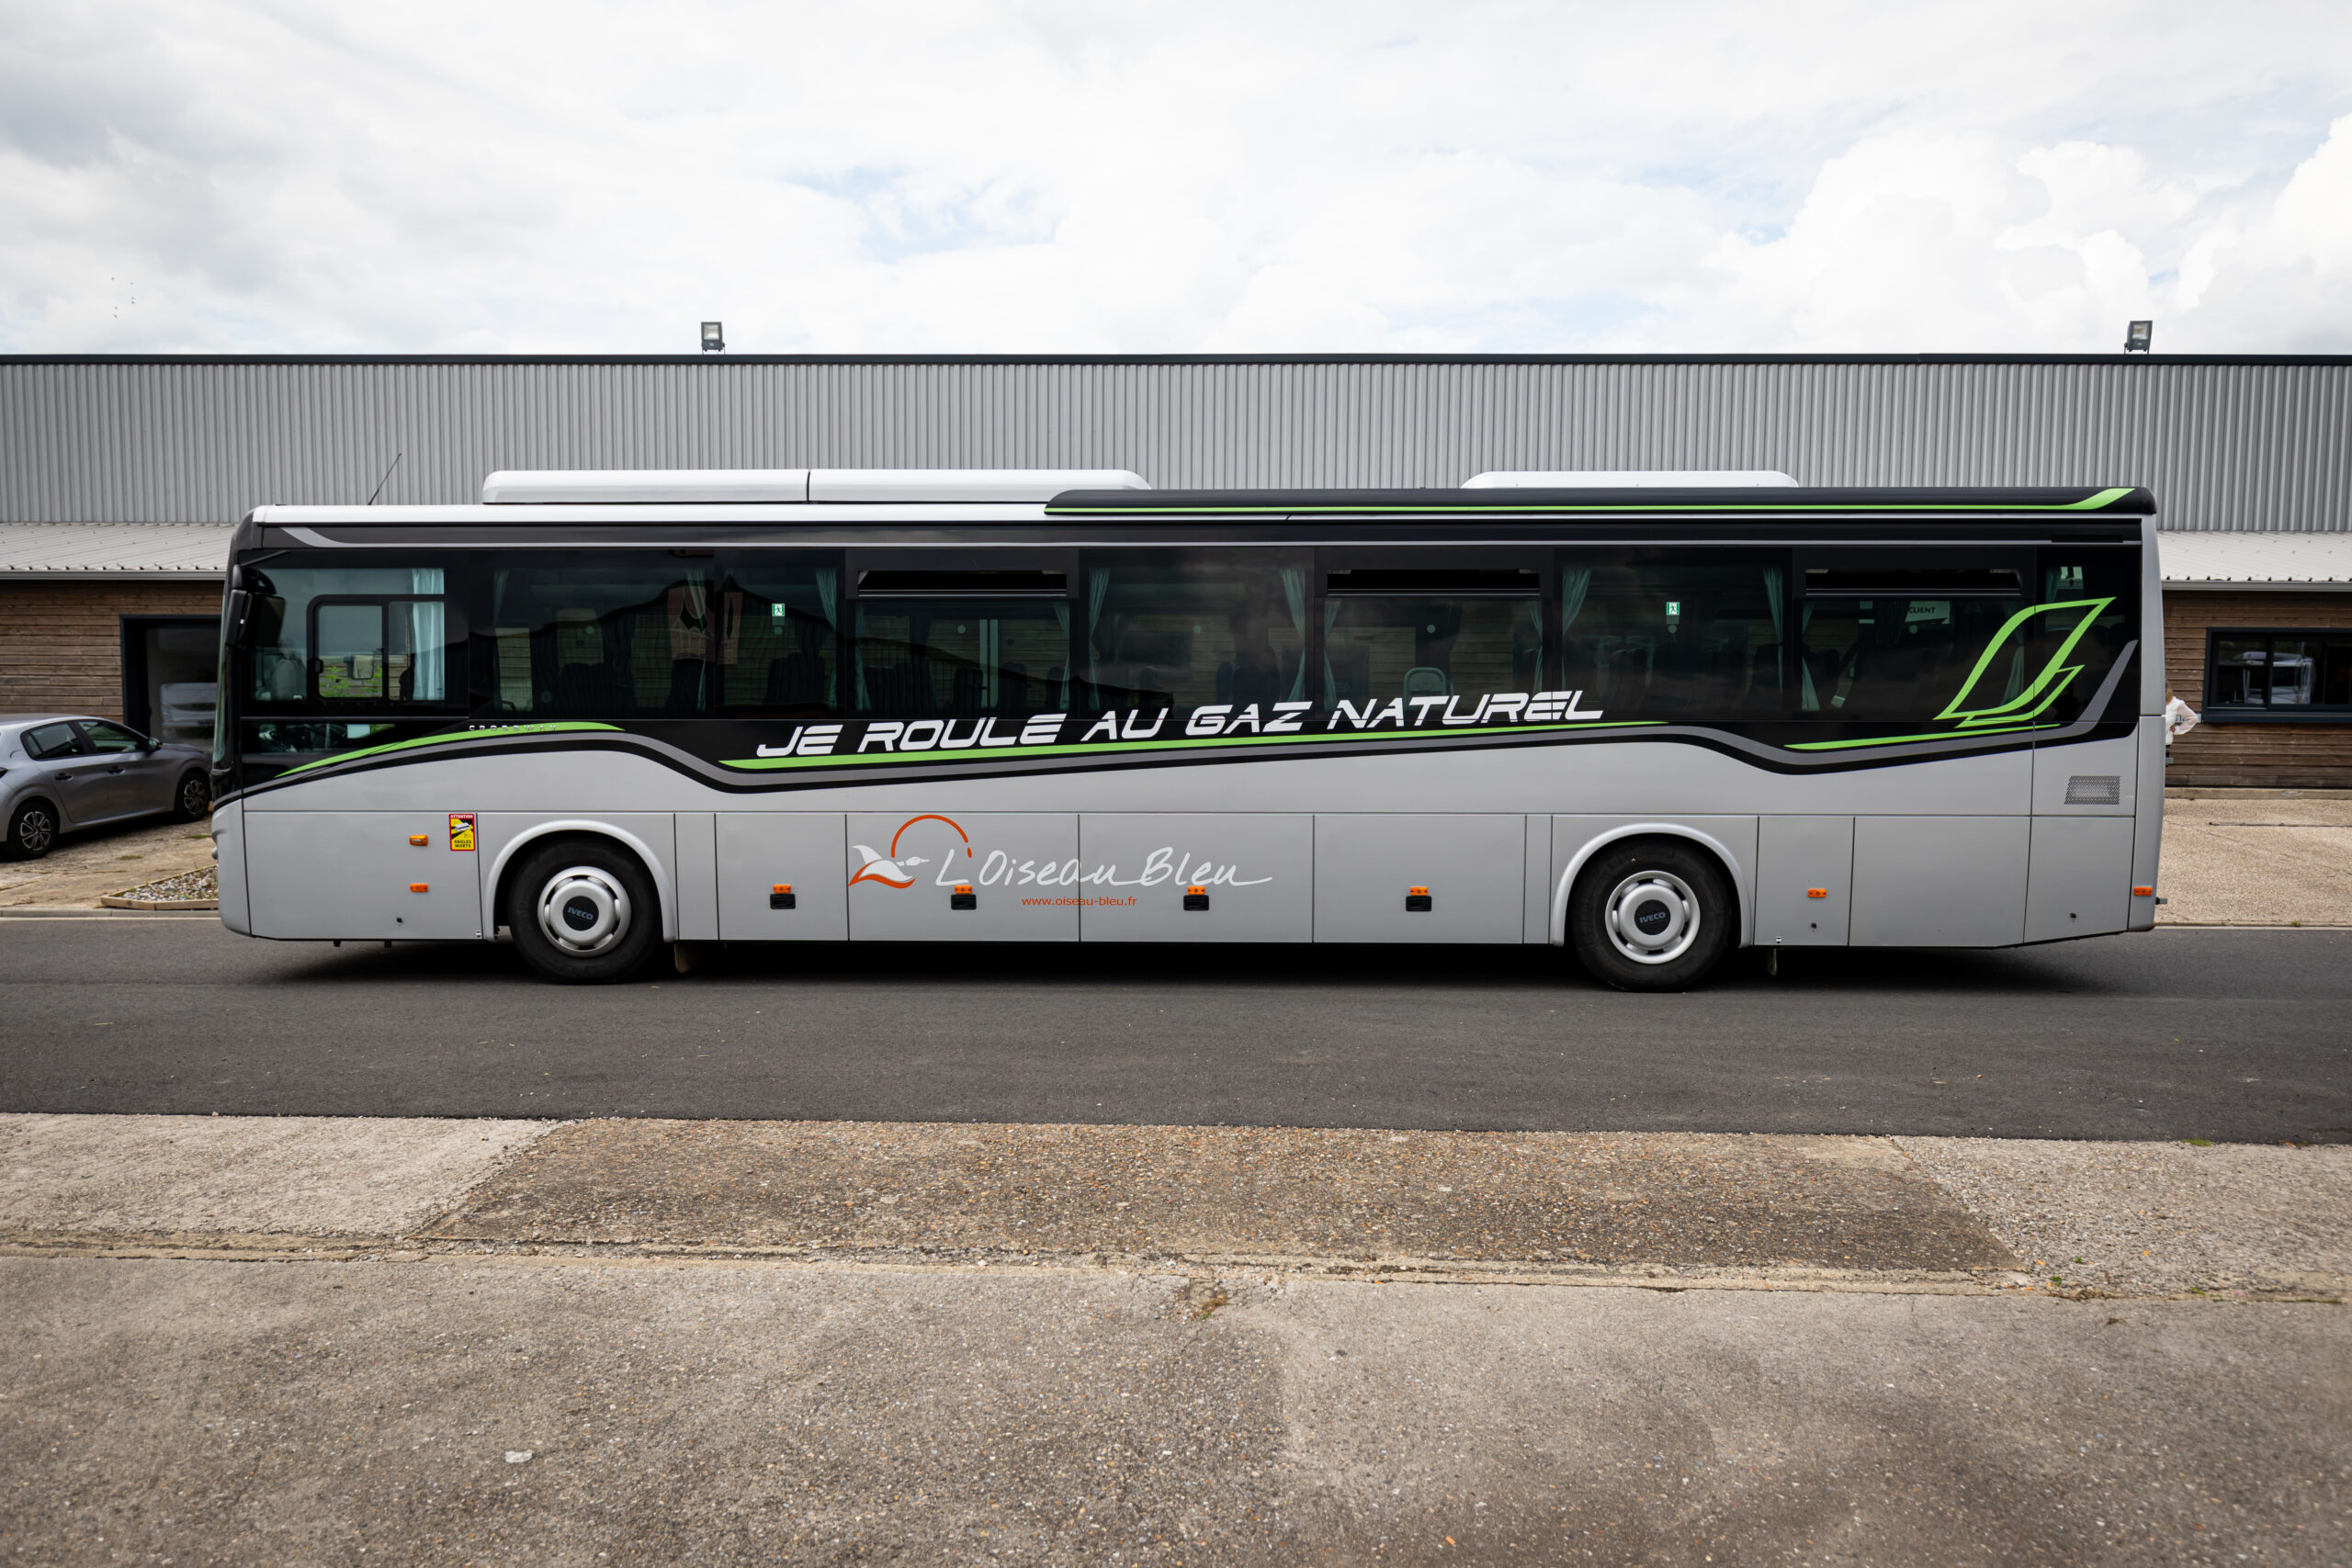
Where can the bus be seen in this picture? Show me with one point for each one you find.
(618, 715)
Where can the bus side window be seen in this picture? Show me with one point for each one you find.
(1183, 629)
(1675, 636)
(2092, 595)
(1910, 638)
(634, 635)
(1442, 630)
(951, 644)
(778, 620)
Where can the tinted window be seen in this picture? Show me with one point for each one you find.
(1179, 628)
(1911, 638)
(2086, 616)
(780, 646)
(1441, 633)
(961, 656)
(45, 742)
(395, 639)
(639, 636)
(1674, 636)
(109, 738)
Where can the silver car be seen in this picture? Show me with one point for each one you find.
(63, 772)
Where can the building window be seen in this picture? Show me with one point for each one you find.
(2275, 673)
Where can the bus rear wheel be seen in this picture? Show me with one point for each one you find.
(583, 912)
(1650, 915)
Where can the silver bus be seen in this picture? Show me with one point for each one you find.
(611, 711)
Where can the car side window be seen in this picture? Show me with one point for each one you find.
(109, 737)
(45, 742)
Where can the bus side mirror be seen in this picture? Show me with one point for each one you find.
(253, 619)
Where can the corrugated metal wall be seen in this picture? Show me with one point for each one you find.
(2225, 445)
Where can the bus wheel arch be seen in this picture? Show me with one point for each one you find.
(1652, 906)
(585, 904)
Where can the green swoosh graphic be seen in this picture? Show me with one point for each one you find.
(496, 733)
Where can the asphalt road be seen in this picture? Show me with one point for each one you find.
(2237, 1036)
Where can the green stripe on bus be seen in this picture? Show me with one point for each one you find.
(2088, 503)
(499, 733)
(1901, 739)
(1173, 744)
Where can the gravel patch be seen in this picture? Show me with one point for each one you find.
(251, 1174)
(204, 884)
(2158, 1218)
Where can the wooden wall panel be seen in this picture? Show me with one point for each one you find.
(2290, 756)
(60, 643)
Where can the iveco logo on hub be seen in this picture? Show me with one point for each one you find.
(957, 856)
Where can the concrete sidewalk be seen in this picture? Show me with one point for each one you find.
(2107, 1219)
(268, 1341)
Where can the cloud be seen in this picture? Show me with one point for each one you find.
(277, 175)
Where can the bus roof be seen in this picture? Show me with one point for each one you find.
(1586, 502)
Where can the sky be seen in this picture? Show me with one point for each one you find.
(501, 176)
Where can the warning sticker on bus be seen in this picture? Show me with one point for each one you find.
(461, 829)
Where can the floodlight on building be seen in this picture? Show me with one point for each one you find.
(2135, 338)
(714, 338)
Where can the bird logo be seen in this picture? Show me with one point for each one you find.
(891, 870)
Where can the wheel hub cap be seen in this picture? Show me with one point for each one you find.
(1652, 917)
(583, 911)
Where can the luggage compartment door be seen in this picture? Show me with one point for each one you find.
(1804, 880)
(2081, 881)
(1021, 868)
(389, 876)
(1256, 875)
(1367, 869)
(780, 876)
(1939, 881)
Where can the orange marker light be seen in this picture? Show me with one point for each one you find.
(1816, 893)
(1196, 890)
(417, 887)
(963, 887)
(781, 887)
(2143, 892)
(1417, 892)
(419, 840)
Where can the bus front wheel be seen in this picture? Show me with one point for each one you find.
(1650, 915)
(583, 912)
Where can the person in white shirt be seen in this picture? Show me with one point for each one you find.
(2180, 719)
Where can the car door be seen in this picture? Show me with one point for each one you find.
(146, 776)
(121, 750)
(72, 771)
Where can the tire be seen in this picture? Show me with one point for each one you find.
(32, 831)
(192, 797)
(583, 911)
(1652, 915)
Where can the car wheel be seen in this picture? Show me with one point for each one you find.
(193, 798)
(1652, 915)
(583, 911)
(32, 831)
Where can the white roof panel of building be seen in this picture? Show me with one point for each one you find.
(2255, 560)
(114, 549)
